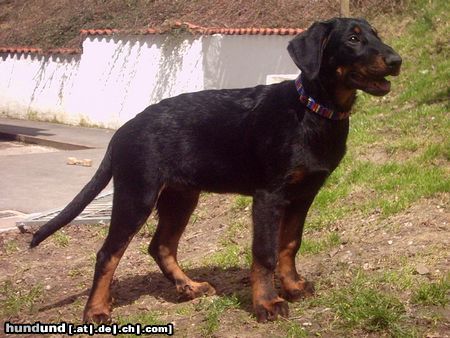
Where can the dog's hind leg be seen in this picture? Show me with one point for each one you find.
(174, 209)
(131, 208)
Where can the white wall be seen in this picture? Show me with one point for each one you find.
(116, 77)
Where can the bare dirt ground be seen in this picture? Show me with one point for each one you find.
(59, 271)
(39, 24)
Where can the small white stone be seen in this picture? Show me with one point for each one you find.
(422, 269)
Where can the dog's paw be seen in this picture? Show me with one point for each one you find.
(97, 316)
(298, 290)
(191, 289)
(269, 310)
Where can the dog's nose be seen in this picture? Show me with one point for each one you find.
(393, 61)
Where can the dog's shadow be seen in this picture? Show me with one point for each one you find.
(126, 291)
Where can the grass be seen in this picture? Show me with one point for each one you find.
(214, 308)
(398, 153)
(231, 253)
(433, 293)
(312, 246)
(293, 329)
(15, 301)
(399, 280)
(11, 247)
(76, 272)
(148, 229)
(360, 305)
(242, 202)
(230, 256)
(408, 130)
(143, 317)
(61, 239)
(101, 230)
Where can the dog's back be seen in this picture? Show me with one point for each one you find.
(215, 140)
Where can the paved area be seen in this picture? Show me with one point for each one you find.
(36, 181)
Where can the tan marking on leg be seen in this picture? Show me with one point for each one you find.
(98, 307)
(175, 209)
(266, 302)
(294, 286)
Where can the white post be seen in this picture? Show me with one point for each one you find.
(345, 8)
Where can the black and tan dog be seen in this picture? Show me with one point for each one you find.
(276, 143)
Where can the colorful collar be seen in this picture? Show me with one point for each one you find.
(313, 106)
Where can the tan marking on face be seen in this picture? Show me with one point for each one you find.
(342, 71)
(357, 30)
(296, 176)
(378, 65)
(344, 96)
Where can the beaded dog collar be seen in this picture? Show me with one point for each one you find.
(315, 107)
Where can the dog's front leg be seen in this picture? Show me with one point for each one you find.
(294, 286)
(268, 210)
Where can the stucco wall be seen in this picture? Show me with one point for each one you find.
(116, 77)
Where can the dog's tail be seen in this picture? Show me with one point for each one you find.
(99, 181)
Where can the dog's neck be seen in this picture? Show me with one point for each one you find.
(331, 94)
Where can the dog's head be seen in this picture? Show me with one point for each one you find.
(349, 50)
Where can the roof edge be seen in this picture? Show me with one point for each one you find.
(176, 25)
(196, 29)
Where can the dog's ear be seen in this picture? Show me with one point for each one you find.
(306, 49)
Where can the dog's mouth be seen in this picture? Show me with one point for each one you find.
(376, 85)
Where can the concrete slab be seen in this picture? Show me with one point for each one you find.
(37, 182)
(9, 219)
(61, 133)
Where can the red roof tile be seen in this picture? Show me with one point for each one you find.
(199, 30)
(20, 50)
(194, 29)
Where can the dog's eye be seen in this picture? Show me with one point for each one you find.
(353, 38)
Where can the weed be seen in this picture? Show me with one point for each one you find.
(293, 329)
(149, 229)
(76, 272)
(234, 231)
(61, 239)
(231, 254)
(184, 310)
(92, 257)
(310, 246)
(102, 230)
(361, 306)
(214, 307)
(436, 293)
(143, 248)
(14, 301)
(242, 202)
(400, 280)
(142, 318)
(228, 257)
(11, 247)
